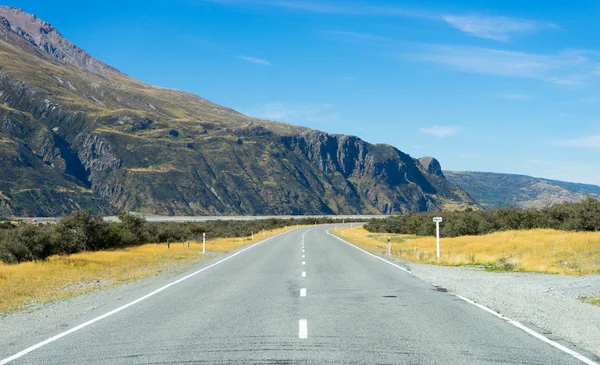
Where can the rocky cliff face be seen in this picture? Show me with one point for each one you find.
(71, 138)
(47, 39)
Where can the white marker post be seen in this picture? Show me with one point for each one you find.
(203, 243)
(437, 221)
(389, 246)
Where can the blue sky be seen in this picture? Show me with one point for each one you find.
(507, 86)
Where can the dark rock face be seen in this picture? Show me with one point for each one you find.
(432, 166)
(71, 139)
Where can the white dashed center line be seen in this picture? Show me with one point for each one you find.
(303, 292)
(303, 274)
(303, 262)
(303, 328)
(303, 256)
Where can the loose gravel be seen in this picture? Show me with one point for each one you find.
(551, 304)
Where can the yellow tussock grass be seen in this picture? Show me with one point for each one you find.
(30, 283)
(539, 250)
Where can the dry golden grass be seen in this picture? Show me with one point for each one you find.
(539, 250)
(59, 277)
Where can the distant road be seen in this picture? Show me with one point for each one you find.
(304, 297)
(158, 218)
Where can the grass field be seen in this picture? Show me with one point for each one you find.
(30, 283)
(540, 250)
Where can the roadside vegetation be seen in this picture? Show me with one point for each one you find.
(581, 217)
(594, 301)
(60, 276)
(81, 231)
(538, 250)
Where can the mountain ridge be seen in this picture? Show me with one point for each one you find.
(76, 133)
(522, 191)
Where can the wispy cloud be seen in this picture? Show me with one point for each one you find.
(583, 142)
(499, 28)
(297, 113)
(345, 8)
(440, 131)
(258, 61)
(361, 37)
(565, 68)
(517, 96)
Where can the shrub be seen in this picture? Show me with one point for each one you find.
(82, 231)
(583, 216)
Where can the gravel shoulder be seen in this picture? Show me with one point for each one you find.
(549, 303)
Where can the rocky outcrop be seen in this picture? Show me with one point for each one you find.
(47, 39)
(432, 166)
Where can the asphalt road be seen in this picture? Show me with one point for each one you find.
(257, 307)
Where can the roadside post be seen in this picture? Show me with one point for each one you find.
(389, 246)
(437, 221)
(203, 243)
(188, 244)
(168, 244)
(252, 235)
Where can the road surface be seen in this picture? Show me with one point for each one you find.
(304, 297)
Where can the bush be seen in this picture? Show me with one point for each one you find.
(26, 243)
(583, 216)
(82, 231)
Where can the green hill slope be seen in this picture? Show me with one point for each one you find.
(502, 190)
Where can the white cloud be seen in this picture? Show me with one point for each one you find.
(440, 131)
(297, 113)
(258, 61)
(498, 28)
(564, 68)
(583, 142)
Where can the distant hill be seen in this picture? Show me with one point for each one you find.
(502, 190)
(75, 133)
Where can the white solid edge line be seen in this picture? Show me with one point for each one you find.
(303, 274)
(117, 310)
(303, 328)
(543, 338)
(303, 292)
(368, 253)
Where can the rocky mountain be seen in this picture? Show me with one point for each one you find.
(76, 133)
(503, 190)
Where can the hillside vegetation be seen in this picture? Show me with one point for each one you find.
(82, 231)
(492, 190)
(583, 216)
(77, 134)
